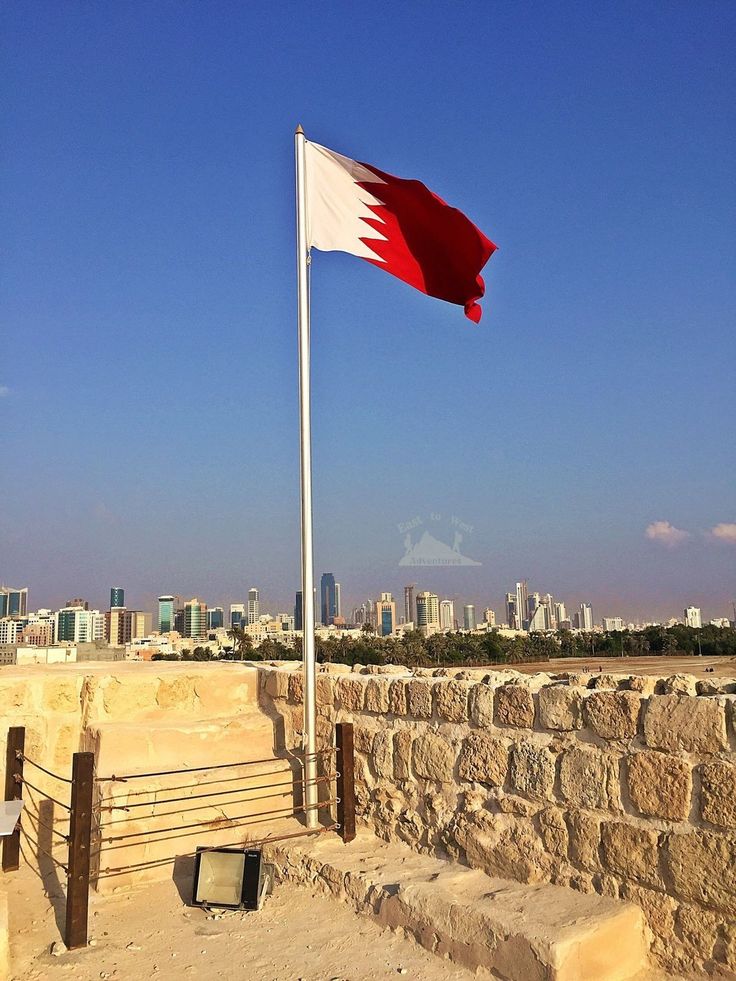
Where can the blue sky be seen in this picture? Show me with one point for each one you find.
(148, 376)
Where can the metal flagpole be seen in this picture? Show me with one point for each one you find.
(305, 431)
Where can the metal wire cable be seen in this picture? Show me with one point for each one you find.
(43, 851)
(187, 810)
(141, 866)
(22, 780)
(222, 824)
(26, 759)
(42, 824)
(30, 799)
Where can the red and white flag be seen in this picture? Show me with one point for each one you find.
(398, 225)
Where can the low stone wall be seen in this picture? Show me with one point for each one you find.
(625, 786)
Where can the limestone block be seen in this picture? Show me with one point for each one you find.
(130, 698)
(402, 754)
(397, 697)
(512, 851)
(61, 694)
(484, 759)
(678, 684)
(225, 693)
(658, 908)
(630, 851)
(514, 706)
(660, 785)
(451, 698)
(277, 684)
(641, 683)
(532, 770)
(585, 835)
(584, 778)
(553, 832)
(14, 696)
(376, 695)
(699, 929)
(718, 794)
(350, 693)
(419, 698)
(606, 681)
(325, 690)
(63, 742)
(363, 737)
(433, 758)
(511, 804)
(383, 754)
(481, 706)
(296, 687)
(613, 715)
(560, 708)
(176, 692)
(684, 722)
(702, 865)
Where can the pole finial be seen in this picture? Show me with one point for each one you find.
(299, 129)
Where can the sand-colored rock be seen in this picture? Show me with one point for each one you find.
(699, 929)
(481, 705)
(584, 838)
(419, 698)
(483, 759)
(702, 865)
(613, 715)
(277, 684)
(433, 758)
(718, 793)
(584, 778)
(296, 687)
(514, 706)
(402, 754)
(532, 770)
(451, 699)
(631, 852)
(397, 697)
(684, 722)
(660, 785)
(383, 754)
(560, 708)
(376, 695)
(350, 693)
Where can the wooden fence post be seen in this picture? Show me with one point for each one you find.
(346, 780)
(80, 827)
(13, 791)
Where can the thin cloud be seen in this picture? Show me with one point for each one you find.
(666, 534)
(724, 532)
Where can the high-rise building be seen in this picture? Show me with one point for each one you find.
(549, 612)
(338, 599)
(13, 602)
(79, 626)
(511, 616)
(409, 607)
(385, 615)
(195, 618)
(538, 619)
(122, 626)
(533, 602)
(447, 614)
(469, 616)
(693, 617)
(298, 613)
(428, 613)
(328, 599)
(117, 597)
(237, 615)
(613, 623)
(215, 618)
(522, 604)
(10, 630)
(489, 617)
(165, 614)
(560, 613)
(254, 606)
(586, 616)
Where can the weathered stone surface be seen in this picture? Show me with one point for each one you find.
(613, 714)
(630, 851)
(514, 706)
(658, 908)
(585, 836)
(677, 684)
(350, 693)
(718, 794)
(433, 758)
(451, 698)
(641, 683)
(481, 706)
(397, 697)
(383, 754)
(553, 832)
(325, 690)
(277, 684)
(131, 698)
(402, 754)
(660, 785)
(684, 722)
(560, 708)
(61, 695)
(532, 770)
(484, 759)
(363, 736)
(584, 778)
(419, 698)
(699, 929)
(296, 687)
(376, 695)
(512, 851)
(702, 865)
(176, 692)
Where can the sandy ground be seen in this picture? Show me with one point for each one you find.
(150, 933)
(723, 667)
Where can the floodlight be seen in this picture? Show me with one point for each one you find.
(231, 878)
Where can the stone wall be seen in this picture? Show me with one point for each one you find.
(625, 786)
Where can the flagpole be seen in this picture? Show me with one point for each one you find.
(305, 432)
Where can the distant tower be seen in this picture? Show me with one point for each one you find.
(409, 608)
(511, 618)
(428, 612)
(117, 597)
(338, 599)
(693, 617)
(469, 616)
(385, 608)
(522, 604)
(328, 599)
(586, 616)
(447, 614)
(254, 606)
(165, 614)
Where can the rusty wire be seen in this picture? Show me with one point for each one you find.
(26, 759)
(30, 814)
(22, 780)
(199, 783)
(43, 851)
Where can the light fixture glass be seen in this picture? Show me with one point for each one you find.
(218, 878)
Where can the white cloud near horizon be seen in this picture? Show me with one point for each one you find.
(666, 534)
(724, 532)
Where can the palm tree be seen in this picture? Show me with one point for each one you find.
(242, 642)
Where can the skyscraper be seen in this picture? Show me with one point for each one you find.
(215, 618)
(489, 616)
(469, 616)
(586, 616)
(385, 613)
(254, 606)
(237, 614)
(165, 614)
(447, 614)
(328, 598)
(560, 613)
(13, 602)
(409, 608)
(522, 605)
(117, 597)
(511, 617)
(338, 599)
(693, 617)
(195, 618)
(428, 613)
